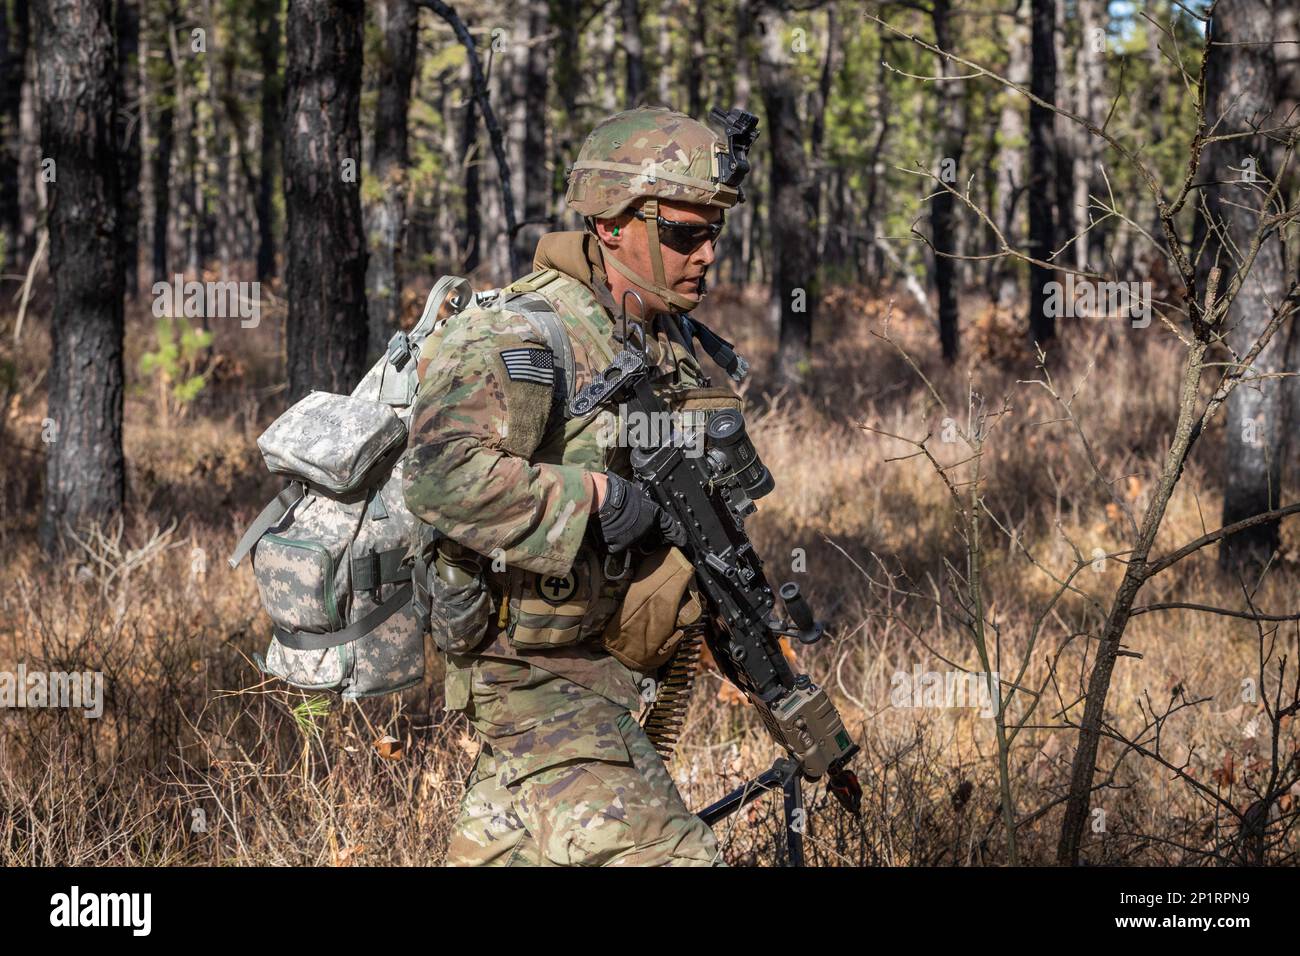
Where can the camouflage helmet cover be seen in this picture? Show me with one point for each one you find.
(648, 152)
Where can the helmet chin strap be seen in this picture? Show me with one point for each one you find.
(660, 285)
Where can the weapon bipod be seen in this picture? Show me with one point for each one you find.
(783, 775)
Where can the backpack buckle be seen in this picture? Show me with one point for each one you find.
(365, 572)
(399, 350)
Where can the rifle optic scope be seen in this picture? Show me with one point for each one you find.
(732, 456)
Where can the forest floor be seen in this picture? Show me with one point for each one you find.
(198, 760)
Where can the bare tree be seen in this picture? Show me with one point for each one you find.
(1042, 165)
(1065, 136)
(1010, 164)
(128, 132)
(950, 120)
(13, 64)
(1236, 170)
(694, 64)
(386, 211)
(467, 150)
(1090, 79)
(85, 476)
(268, 14)
(633, 52)
(532, 75)
(326, 275)
(161, 177)
(791, 209)
(1200, 319)
(482, 100)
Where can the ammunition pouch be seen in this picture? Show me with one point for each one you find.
(708, 399)
(660, 603)
(548, 610)
(663, 600)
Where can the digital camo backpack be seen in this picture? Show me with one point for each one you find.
(331, 551)
(341, 565)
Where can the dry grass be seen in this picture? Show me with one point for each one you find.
(190, 733)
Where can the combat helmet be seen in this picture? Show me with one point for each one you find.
(654, 153)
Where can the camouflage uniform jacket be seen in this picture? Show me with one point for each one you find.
(493, 470)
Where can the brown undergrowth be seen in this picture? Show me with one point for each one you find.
(197, 760)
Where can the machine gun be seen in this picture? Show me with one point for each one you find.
(711, 495)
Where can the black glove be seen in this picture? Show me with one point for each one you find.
(628, 517)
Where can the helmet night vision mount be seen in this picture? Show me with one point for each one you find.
(741, 130)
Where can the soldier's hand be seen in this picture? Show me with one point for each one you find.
(627, 516)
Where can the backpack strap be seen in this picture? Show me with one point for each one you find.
(523, 299)
(306, 641)
(456, 288)
(270, 515)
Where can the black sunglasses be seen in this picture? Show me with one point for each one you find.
(684, 237)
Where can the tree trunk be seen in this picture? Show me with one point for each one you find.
(1287, 59)
(663, 75)
(634, 53)
(85, 476)
(532, 71)
(951, 121)
(1091, 106)
(607, 45)
(820, 101)
(148, 103)
(13, 62)
(875, 169)
(162, 157)
(440, 234)
(326, 274)
(268, 13)
(386, 212)
(238, 190)
(496, 251)
(1241, 93)
(1042, 165)
(31, 188)
(695, 62)
(1152, 102)
(185, 221)
(791, 213)
(741, 218)
(1065, 136)
(128, 133)
(471, 158)
(1011, 160)
(567, 73)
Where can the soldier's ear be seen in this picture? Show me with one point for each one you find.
(611, 232)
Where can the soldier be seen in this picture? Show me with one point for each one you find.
(538, 509)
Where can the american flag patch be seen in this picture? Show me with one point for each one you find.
(530, 365)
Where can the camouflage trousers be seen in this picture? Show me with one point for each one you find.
(567, 778)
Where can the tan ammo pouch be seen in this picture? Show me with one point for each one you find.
(660, 602)
(708, 399)
(662, 599)
(548, 610)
